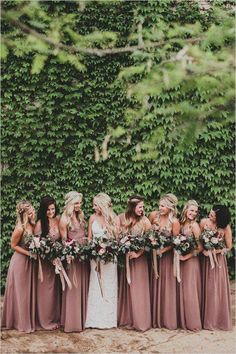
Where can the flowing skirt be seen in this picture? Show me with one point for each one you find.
(134, 309)
(102, 298)
(163, 294)
(19, 305)
(189, 295)
(48, 298)
(74, 301)
(216, 309)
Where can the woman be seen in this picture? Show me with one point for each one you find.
(74, 301)
(102, 308)
(20, 294)
(163, 289)
(48, 291)
(134, 299)
(216, 312)
(189, 288)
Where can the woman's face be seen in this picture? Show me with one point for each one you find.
(30, 211)
(192, 212)
(77, 206)
(212, 216)
(96, 207)
(139, 209)
(51, 211)
(163, 209)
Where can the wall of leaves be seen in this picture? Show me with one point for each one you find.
(52, 122)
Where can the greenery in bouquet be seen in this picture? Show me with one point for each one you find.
(184, 244)
(156, 240)
(50, 249)
(211, 239)
(32, 244)
(70, 250)
(130, 243)
(104, 249)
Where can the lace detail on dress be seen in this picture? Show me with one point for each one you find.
(102, 311)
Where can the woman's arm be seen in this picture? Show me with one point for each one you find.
(38, 229)
(15, 240)
(118, 226)
(90, 234)
(63, 228)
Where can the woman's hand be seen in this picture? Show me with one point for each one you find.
(33, 255)
(133, 255)
(206, 253)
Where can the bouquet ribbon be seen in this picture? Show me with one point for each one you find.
(99, 275)
(40, 270)
(154, 257)
(59, 269)
(127, 268)
(176, 268)
(74, 274)
(213, 259)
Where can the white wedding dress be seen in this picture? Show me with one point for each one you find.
(102, 311)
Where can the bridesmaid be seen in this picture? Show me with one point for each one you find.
(134, 300)
(217, 303)
(74, 301)
(48, 291)
(189, 289)
(163, 289)
(20, 294)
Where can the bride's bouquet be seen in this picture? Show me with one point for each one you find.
(211, 240)
(182, 245)
(129, 243)
(104, 249)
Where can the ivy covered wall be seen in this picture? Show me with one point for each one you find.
(52, 122)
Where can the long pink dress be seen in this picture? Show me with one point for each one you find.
(74, 301)
(20, 295)
(216, 309)
(134, 309)
(48, 303)
(163, 291)
(189, 292)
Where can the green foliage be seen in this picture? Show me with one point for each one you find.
(55, 120)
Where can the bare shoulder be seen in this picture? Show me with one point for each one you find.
(175, 221)
(92, 218)
(203, 221)
(152, 215)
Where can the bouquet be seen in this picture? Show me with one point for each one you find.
(104, 249)
(211, 241)
(155, 241)
(50, 249)
(130, 243)
(70, 250)
(32, 243)
(182, 245)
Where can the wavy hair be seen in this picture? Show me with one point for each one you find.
(21, 213)
(133, 201)
(222, 215)
(70, 199)
(170, 201)
(104, 203)
(189, 203)
(42, 213)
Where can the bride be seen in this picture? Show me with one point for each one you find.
(102, 310)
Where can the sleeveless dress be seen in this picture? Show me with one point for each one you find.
(74, 301)
(48, 295)
(216, 309)
(163, 290)
(189, 292)
(134, 310)
(102, 311)
(19, 304)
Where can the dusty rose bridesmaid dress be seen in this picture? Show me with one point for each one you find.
(74, 301)
(216, 309)
(189, 293)
(19, 304)
(134, 300)
(163, 291)
(48, 304)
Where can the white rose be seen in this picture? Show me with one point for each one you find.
(214, 240)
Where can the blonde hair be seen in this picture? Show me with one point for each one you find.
(170, 201)
(21, 213)
(70, 199)
(189, 203)
(104, 203)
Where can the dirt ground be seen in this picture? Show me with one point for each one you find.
(122, 340)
